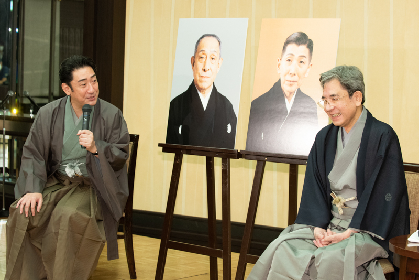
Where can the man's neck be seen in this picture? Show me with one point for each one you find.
(289, 96)
(78, 111)
(356, 118)
(205, 92)
(205, 97)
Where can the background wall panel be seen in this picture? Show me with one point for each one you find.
(380, 37)
(406, 58)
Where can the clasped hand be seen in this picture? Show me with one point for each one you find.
(87, 140)
(324, 237)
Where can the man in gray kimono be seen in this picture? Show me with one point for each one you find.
(72, 187)
(354, 196)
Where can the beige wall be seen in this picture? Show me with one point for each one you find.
(380, 37)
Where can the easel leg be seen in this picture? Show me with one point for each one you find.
(226, 219)
(292, 206)
(212, 233)
(251, 217)
(168, 218)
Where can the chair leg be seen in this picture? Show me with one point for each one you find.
(389, 276)
(129, 251)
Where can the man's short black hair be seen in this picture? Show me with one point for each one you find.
(299, 39)
(73, 63)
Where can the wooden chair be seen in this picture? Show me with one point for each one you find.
(126, 220)
(412, 181)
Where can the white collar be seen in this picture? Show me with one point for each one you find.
(288, 103)
(205, 99)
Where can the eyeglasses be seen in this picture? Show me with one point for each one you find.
(329, 101)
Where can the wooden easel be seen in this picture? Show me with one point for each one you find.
(210, 250)
(262, 158)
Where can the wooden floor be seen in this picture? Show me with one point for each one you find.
(179, 265)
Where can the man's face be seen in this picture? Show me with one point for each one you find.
(85, 88)
(293, 67)
(206, 63)
(344, 110)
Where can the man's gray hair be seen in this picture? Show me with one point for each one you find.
(207, 35)
(350, 77)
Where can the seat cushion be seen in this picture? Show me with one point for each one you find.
(412, 181)
(386, 266)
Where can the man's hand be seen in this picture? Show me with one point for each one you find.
(319, 235)
(87, 140)
(337, 237)
(30, 200)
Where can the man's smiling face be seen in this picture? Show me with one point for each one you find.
(343, 110)
(84, 88)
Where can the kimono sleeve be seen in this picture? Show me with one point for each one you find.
(111, 181)
(114, 148)
(315, 202)
(33, 174)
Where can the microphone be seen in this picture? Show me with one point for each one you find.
(26, 94)
(87, 109)
(8, 94)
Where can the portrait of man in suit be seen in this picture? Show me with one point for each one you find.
(202, 116)
(284, 119)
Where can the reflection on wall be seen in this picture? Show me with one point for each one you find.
(37, 47)
(71, 28)
(4, 30)
(68, 40)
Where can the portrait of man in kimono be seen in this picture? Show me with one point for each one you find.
(73, 183)
(202, 116)
(354, 197)
(284, 119)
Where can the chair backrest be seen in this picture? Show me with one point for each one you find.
(412, 181)
(131, 165)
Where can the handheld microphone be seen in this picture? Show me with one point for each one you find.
(87, 109)
(26, 94)
(9, 93)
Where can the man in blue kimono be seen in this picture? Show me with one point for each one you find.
(354, 197)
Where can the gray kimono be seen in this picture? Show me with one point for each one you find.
(42, 156)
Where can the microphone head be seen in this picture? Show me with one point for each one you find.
(25, 93)
(86, 108)
(10, 93)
